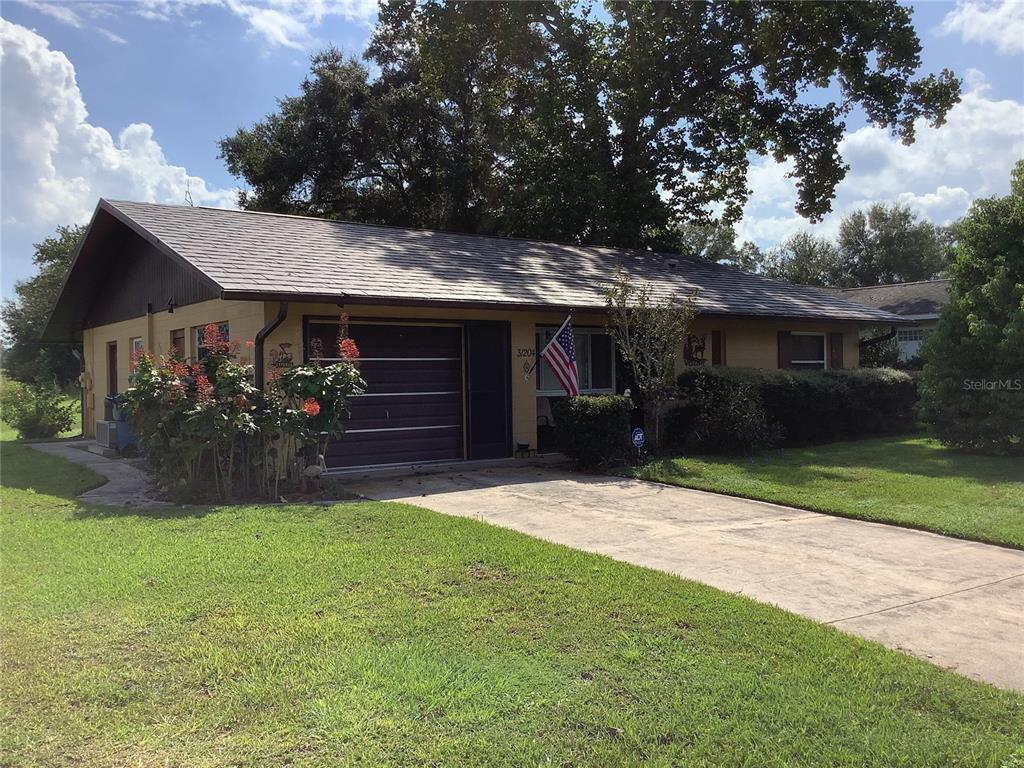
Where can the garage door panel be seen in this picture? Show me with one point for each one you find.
(387, 376)
(407, 340)
(405, 411)
(413, 408)
(368, 448)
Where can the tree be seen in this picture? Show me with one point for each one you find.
(807, 260)
(542, 119)
(714, 242)
(972, 385)
(888, 244)
(649, 333)
(880, 354)
(25, 357)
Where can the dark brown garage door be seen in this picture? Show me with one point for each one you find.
(412, 410)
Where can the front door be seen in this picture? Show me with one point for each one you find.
(489, 385)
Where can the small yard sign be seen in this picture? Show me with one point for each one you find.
(638, 438)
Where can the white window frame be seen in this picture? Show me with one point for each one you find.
(578, 335)
(824, 349)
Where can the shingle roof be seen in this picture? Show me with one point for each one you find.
(905, 299)
(253, 254)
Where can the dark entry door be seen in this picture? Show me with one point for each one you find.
(489, 384)
(413, 407)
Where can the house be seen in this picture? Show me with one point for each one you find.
(917, 303)
(449, 325)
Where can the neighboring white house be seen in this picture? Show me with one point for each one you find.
(919, 301)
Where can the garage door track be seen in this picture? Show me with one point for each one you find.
(955, 603)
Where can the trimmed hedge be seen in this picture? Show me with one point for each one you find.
(799, 407)
(593, 430)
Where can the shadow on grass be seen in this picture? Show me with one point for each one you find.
(169, 512)
(28, 469)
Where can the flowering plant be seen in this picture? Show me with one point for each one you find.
(206, 426)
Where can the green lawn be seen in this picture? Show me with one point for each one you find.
(381, 634)
(912, 481)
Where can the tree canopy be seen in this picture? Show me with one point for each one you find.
(551, 120)
(972, 385)
(25, 358)
(885, 244)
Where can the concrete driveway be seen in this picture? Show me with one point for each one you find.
(955, 603)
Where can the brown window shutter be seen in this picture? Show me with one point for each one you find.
(785, 349)
(717, 348)
(835, 344)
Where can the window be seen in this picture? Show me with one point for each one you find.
(135, 347)
(595, 361)
(177, 349)
(199, 330)
(911, 334)
(809, 351)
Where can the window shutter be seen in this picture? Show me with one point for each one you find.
(785, 349)
(835, 343)
(718, 347)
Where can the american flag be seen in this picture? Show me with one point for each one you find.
(560, 353)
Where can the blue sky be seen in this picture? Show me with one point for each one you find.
(128, 100)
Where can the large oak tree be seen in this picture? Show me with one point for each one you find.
(546, 119)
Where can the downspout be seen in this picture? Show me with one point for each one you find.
(261, 337)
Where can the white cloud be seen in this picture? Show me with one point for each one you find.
(72, 16)
(938, 176)
(1000, 22)
(56, 164)
(281, 23)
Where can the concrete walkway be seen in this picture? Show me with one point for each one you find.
(955, 603)
(126, 486)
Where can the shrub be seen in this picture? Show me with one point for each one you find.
(972, 385)
(729, 417)
(205, 427)
(799, 407)
(36, 410)
(593, 430)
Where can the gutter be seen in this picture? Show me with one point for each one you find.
(261, 337)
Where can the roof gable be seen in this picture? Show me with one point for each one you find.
(119, 273)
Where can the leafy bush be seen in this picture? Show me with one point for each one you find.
(972, 385)
(36, 410)
(593, 430)
(728, 417)
(205, 427)
(799, 407)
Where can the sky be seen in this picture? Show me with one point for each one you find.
(127, 100)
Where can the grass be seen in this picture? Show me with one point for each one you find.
(910, 481)
(383, 634)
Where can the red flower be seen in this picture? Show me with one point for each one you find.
(249, 343)
(204, 389)
(311, 406)
(136, 356)
(214, 340)
(347, 350)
